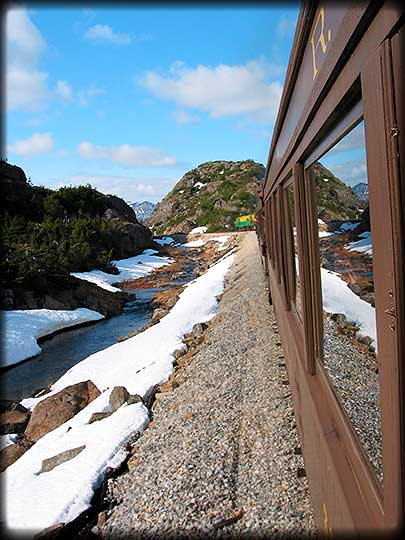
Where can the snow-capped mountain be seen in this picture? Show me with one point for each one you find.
(361, 190)
(142, 209)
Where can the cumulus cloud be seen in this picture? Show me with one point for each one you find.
(103, 33)
(26, 86)
(221, 91)
(38, 143)
(64, 90)
(127, 187)
(126, 154)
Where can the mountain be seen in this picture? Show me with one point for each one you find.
(361, 190)
(336, 200)
(214, 194)
(46, 234)
(142, 209)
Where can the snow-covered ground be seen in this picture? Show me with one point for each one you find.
(131, 268)
(34, 501)
(364, 244)
(221, 240)
(199, 230)
(194, 243)
(338, 298)
(165, 241)
(22, 328)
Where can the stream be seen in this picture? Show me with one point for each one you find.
(64, 350)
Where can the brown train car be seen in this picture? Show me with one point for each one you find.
(333, 205)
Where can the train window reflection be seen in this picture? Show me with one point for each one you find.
(296, 299)
(346, 259)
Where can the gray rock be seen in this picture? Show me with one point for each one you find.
(134, 398)
(52, 462)
(159, 313)
(96, 416)
(199, 329)
(118, 397)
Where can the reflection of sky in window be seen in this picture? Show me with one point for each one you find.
(347, 159)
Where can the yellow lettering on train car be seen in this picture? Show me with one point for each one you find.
(328, 530)
(321, 39)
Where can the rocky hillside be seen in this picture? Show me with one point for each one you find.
(142, 209)
(361, 190)
(47, 234)
(214, 194)
(336, 200)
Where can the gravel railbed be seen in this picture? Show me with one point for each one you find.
(221, 459)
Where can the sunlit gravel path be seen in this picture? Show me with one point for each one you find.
(220, 460)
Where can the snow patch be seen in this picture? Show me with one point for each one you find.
(34, 501)
(338, 298)
(166, 240)
(194, 243)
(199, 185)
(22, 328)
(131, 268)
(199, 230)
(6, 440)
(364, 245)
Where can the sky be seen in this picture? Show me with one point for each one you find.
(129, 99)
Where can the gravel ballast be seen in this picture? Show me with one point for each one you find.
(221, 457)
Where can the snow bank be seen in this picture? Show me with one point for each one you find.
(131, 268)
(166, 240)
(364, 245)
(199, 230)
(194, 243)
(22, 328)
(338, 298)
(34, 501)
(222, 241)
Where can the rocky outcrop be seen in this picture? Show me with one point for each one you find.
(336, 200)
(66, 293)
(213, 195)
(55, 410)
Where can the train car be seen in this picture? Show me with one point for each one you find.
(334, 203)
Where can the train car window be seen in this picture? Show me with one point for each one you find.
(349, 340)
(275, 236)
(295, 294)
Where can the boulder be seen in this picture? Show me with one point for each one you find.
(57, 409)
(134, 398)
(52, 462)
(96, 416)
(118, 397)
(159, 313)
(12, 452)
(14, 421)
(199, 329)
(51, 533)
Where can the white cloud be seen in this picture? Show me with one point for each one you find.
(126, 154)
(104, 33)
(64, 90)
(85, 95)
(127, 187)
(222, 90)
(183, 117)
(38, 143)
(26, 86)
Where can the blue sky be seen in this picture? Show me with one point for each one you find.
(129, 99)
